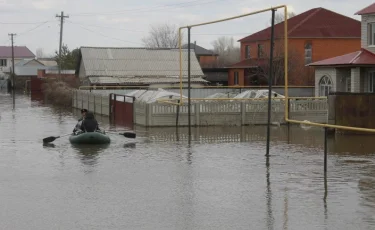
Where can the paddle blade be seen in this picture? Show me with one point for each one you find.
(49, 139)
(129, 134)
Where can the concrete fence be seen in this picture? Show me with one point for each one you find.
(99, 104)
(210, 113)
(230, 113)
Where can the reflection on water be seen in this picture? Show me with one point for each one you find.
(157, 181)
(89, 154)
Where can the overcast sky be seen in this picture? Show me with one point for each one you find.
(123, 23)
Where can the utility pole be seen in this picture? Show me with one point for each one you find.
(13, 81)
(12, 39)
(61, 36)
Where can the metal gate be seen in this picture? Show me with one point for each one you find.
(122, 109)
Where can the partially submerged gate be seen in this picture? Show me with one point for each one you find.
(122, 109)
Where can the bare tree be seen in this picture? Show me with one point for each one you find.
(162, 36)
(39, 53)
(279, 17)
(260, 75)
(227, 51)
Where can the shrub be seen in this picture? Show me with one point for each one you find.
(58, 93)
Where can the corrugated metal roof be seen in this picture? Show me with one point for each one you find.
(19, 52)
(29, 70)
(314, 23)
(141, 80)
(101, 61)
(362, 57)
(27, 61)
(368, 10)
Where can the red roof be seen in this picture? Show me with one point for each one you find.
(368, 10)
(314, 23)
(361, 57)
(19, 52)
(248, 63)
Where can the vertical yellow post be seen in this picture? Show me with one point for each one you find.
(179, 44)
(286, 63)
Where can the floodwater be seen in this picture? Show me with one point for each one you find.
(157, 181)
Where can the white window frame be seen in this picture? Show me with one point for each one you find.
(371, 34)
(348, 84)
(247, 52)
(236, 78)
(3, 62)
(260, 50)
(308, 53)
(371, 82)
(325, 86)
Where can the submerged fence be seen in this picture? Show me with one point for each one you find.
(209, 113)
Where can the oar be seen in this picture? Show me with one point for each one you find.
(125, 134)
(50, 139)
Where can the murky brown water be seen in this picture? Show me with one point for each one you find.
(158, 182)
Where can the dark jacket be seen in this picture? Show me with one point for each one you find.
(89, 124)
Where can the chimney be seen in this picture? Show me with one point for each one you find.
(41, 73)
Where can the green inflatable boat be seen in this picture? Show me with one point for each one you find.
(97, 137)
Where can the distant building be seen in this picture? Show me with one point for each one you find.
(26, 69)
(20, 53)
(351, 72)
(48, 61)
(206, 58)
(208, 61)
(314, 35)
(136, 67)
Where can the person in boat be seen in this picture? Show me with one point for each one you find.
(90, 124)
(78, 125)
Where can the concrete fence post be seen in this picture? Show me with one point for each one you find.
(197, 111)
(243, 113)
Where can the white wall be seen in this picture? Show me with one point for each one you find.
(320, 72)
(9, 64)
(364, 22)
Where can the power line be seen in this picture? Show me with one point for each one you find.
(142, 31)
(151, 9)
(92, 31)
(20, 23)
(135, 31)
(136, 9)
(34, 28)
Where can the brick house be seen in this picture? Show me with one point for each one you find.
(208, 60)
(351, 72)
(314, 35)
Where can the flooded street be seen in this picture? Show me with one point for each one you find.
(158, 181)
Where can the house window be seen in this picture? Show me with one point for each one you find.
(325, 86)
(3, 62)
(348, 84)
(371, 34)
(308, 53)
(247, 52)
(260, 50)
(236, 78)
(371, 82)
